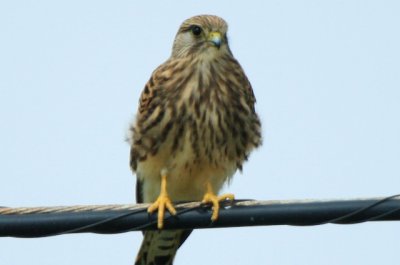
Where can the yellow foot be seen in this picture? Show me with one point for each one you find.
(210, 197)
(163, 201)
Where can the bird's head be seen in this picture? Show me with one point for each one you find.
(203, 35)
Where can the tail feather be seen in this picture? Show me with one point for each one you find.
(159, 247)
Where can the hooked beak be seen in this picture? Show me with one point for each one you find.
(215, 38)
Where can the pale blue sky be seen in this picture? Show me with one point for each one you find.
(326, 76)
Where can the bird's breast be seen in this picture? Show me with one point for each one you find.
(200, 129)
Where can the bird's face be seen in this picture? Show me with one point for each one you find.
(203, 36)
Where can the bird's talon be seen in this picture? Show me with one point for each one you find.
(214, 200)
(162, 202)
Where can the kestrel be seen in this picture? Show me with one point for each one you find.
(195, 126)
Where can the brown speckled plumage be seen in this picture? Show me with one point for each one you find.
(196, 119)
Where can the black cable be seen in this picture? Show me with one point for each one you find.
(232, 214)
(96, 224)
(362, 210)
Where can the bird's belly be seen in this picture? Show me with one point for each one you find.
(187, 172)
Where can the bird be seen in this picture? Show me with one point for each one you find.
(195, 126)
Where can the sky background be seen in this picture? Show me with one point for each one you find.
(326, 75)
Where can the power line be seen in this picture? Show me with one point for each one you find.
(110, 219)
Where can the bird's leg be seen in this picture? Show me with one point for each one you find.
(211, 197)
(163, 201)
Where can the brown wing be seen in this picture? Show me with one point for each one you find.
(161, 87)
(144, 110)
(135, 153)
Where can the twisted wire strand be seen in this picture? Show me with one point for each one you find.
(83, 208)
(131, 207)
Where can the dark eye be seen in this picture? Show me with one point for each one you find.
(196, 30)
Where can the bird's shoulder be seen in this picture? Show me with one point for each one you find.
(155, 85)
(239, 74)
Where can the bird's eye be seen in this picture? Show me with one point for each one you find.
(196, 30)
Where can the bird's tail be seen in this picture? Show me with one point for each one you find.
(159, 247)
